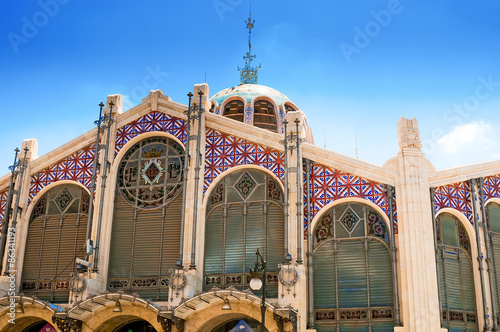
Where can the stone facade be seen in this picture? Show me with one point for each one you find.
(407, 193)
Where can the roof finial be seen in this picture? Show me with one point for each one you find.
(249, 74)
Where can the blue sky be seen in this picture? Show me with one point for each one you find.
(353, 67)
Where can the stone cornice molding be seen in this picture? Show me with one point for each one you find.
(463, 173)
(348, 164)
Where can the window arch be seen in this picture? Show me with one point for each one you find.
(235, 110)
(264, 116)
(353, 287)
(145, 238)
(456, 280)
(493, 217)
(244, 213)
(56, 236)
(289, 108)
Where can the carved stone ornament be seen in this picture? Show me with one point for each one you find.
(67, 324)
(408, 134)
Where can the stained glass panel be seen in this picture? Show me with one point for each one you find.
(150, 173)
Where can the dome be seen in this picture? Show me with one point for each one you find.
(257, 105)
(249, 92)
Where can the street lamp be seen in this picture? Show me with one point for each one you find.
(258, 281)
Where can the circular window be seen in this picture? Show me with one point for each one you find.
(150, 173)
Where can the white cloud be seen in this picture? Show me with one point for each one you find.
(466, 144)
(471, 135)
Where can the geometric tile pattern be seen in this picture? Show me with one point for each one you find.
(153, 121)
(456, 196)
(328, 185)
(77, 167)
(3, 203)
(491, 187)
(223, 151)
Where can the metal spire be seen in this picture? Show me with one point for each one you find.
(249, 74)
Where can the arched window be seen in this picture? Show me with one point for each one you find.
(244, 213)
(353, 288)
(56, 236)
(493, 216)
(456, 281)
(145, 237)
(235, 110)
(263, 115)
(289, 108)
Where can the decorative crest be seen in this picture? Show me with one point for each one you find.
(249, 74)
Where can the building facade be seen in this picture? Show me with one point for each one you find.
(184, 196)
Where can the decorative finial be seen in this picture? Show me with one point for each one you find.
(249, 74)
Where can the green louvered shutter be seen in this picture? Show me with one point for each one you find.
(214, 248)
(457, 288)
(235, 242)
(352, 273)
(380, 274)
(275, 241)
(495, 251)
(325, 288)
(144, 246)
(325, 292)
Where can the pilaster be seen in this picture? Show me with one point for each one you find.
(20, 198)
(96, 282)
(418, 278)
(297, 297)
(194, 224)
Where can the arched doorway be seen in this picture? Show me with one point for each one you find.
(139, 325)
(239, 324)
(41, 326)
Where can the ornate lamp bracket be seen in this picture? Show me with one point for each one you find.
(178, 279)
(288, 277)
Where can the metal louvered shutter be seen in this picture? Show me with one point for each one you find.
(235, 240)
(275, 236)
(325, 292)
(214, 248)
(352, 274)
(380, 275)
(456, 287)
(144, 246)
(495, 251)
(121, 239)
(255, 236)
(50, 254)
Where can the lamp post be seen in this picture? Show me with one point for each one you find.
(258, 281)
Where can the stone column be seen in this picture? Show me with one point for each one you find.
(22, 220)
(194, 227)
(96, 282)
(417, 269)
(297, 296)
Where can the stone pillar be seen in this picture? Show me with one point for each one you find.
(194, 194)
(22, 219)
(96, 282)
(297, 296)
(418, 279)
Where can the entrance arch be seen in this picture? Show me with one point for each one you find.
(29, 313)
(114, 311)
(241, 324)
(204, 313)
(125, 323)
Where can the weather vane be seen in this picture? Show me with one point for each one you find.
(249, 74)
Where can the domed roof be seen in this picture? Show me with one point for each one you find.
(271, 118)
(249, 92)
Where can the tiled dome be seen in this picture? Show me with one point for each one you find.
(256, 104)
